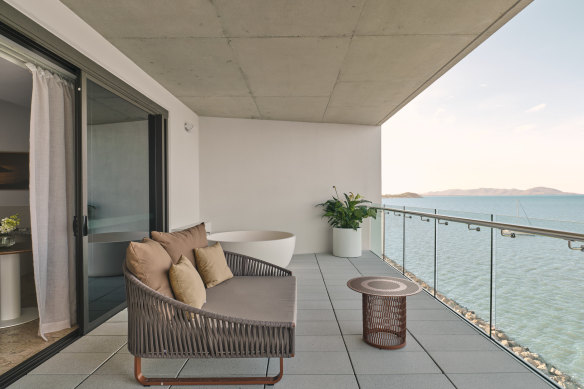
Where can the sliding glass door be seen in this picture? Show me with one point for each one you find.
(122, 188)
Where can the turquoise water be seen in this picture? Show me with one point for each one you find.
(538, 296)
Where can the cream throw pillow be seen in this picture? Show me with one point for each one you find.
(187, 284)
(212, 265)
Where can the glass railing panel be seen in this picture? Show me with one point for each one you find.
(394, 238)
(539, 301)
(376, 234)
(463, 268)
(419, 248)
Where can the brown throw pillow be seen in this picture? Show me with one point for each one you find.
(182, 242)
(212, 265)
(150, 263)
(187, 284)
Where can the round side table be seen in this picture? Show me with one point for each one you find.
(384, 309)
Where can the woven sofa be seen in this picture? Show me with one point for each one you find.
(252, 315)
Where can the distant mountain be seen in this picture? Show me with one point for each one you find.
(402, 195)
(538, 191)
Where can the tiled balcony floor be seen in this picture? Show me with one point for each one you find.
(442, 350)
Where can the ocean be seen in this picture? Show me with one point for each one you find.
(538, 298)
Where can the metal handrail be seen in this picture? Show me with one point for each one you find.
(566, 235)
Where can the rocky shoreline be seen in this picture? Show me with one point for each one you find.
(531, 358)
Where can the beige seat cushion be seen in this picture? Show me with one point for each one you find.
(150, 263)
(255, 298)
(212, 265)
(182, 242)
(186, 283)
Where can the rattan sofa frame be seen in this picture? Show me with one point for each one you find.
(161, 327)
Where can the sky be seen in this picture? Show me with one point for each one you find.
(509, 115)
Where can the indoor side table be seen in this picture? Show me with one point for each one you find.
(384, 309)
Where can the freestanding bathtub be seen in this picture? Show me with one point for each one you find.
(275, 247)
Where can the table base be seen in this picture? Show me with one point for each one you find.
(384, 321)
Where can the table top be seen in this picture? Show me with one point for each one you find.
(384, 286)
(22, 245)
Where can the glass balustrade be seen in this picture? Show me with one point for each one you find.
(521, 289)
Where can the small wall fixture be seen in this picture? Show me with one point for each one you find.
(189, 126)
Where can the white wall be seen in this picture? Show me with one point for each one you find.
(183, 147)
(260, 174)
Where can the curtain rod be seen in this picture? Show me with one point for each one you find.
(19, 56)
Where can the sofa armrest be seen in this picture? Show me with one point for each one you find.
(161, 327)
(242, 265)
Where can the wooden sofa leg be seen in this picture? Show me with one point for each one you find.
(205, 380)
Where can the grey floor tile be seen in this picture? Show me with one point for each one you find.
(317, 382)
(477, 362)
(431, 314)
(356, 343)
(314, 304)
(224, 387)
(97, 344)
(339, 289)
(72, 363)
(450, 327)
(317, 363)
(116, 328)
(315, 314)
(336, 282)
(351, 327)
(346, 295)
(349, 314)
(299, 257)
(499, 381)
(347, 304)
(317, 327)
(456, 342)
(320, 343)
(43, 381)
(123, 364)
(125, 381)
(312, 289)
(414, 362)
(300, 283)
(404, 381)
(227, 367)
(121, 316)
(323, 295)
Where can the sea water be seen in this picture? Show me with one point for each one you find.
(538, 294)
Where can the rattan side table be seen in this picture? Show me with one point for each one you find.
(384, 309)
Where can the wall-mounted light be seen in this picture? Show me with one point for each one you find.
(189, 126)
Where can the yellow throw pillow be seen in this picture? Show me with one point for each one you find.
(187, 284)
(212, 265)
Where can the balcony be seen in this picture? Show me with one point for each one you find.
(442, 351)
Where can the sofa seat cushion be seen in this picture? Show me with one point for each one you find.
(255, 298)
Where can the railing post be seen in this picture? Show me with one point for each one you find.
(404, 242)
(383, 235)
(491, 280)
(435, 252)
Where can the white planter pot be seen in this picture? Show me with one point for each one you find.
(346, 242)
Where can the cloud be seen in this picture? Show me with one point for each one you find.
(536, 108)
(524, 128)
(483, 85)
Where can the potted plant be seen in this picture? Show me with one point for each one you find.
(346, 217)
(7, 226)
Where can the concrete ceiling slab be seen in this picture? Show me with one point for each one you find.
(223, 106)
(293, 108)
(401, 17)
(401, 57)
(341, 61)
(290, 66)
(150, 18)
(285, 18)
(188, 66)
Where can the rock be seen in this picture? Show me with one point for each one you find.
(542, 366)
(531, 362)
(505, 343)
(517, 349)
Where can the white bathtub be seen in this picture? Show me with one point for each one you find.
(275, 247)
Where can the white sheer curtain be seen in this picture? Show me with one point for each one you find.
(51, 199)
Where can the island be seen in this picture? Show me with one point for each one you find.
(537, 191)
(402, 195)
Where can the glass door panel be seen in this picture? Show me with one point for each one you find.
(118, 193)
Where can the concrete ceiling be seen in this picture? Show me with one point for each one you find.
(336, 61)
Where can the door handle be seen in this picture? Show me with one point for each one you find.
(85, 228)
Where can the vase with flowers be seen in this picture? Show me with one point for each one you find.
(7, 226)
